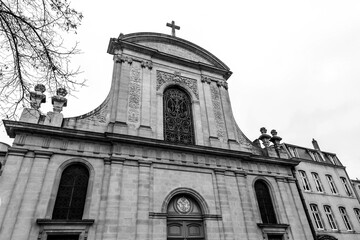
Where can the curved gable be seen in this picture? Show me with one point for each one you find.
(169, 45)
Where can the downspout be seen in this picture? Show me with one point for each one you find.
(304, 203)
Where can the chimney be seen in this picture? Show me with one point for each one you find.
(316, 145)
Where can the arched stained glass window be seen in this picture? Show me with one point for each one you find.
(71, 195)
(178, 123)
(265, 203)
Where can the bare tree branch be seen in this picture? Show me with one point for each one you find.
(32, 50)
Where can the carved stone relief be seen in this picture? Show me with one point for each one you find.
(164, 77)
(134, 95)
(99, 115)
(218, 113)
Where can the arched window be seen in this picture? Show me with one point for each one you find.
(184, 219)
(178, 123)
(265, 203)
(71, 195)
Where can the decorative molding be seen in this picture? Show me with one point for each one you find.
(218, 113)
(219, 83)
(134, 96)
(157, 215)
(206, 79)
(45, 221)
(164, 77)
(122, 58)
(222, 83)
(146, 64)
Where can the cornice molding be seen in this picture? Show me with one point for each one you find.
(14, 127)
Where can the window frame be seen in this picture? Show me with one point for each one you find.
(346, 186)
(305, 181)
(332, 185)
(293, 152)
(317, 217)
(56, 214)
(330, 217)
(345, 218)
(318, 184)
(191, 109)
(269, 207)
(357, 213)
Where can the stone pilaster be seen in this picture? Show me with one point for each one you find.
(224, 204)
(16, 197)
(198, 123)
(246, 213)
(251, 208)
(229, 120)
(100, 223)
(9, 177)
(113, 200)
(145, 129)
(31, 196)
(209, 110)
(123, 95)
(129, 200)
(159, 116)
(298, 212)
(143, 206)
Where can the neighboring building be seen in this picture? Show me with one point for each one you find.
(3, 151)
(329, 196)
(356, 185)
(161, 158)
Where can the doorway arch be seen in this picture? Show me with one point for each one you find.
(184, 218)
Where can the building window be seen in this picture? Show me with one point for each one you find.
(331, 159)
(293, 152)
(330, 217)
(304, 180)
(178, 123)
(265, 203)
(318, 184)
(331, 184)
(316, 216)
(357, 213)
(184, 219)
(346, 186)
(317, 157)
(345, 218)
(71, 195)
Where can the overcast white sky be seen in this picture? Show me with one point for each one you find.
(296, 64)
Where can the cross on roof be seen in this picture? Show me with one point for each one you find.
(173, 26)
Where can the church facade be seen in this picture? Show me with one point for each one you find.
(161, 158)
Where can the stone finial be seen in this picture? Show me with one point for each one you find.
(264, 137)
(59, 101)
(275, 138)
(37, 97)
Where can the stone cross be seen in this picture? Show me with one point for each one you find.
(173, 26)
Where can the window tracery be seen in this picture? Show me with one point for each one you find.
(178, 123)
